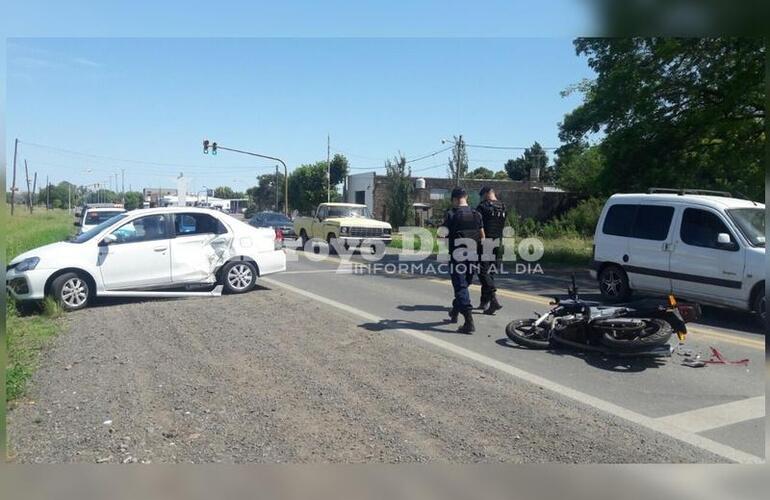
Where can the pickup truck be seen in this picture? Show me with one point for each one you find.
(345, 221)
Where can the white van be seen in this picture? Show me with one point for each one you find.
(704, 246)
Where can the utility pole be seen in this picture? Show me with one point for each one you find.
(29, 193)
(13, 184)
(328, 170)
(47, 194)
(69, 197)
(123, 185)
(34, 186)
(275, 207)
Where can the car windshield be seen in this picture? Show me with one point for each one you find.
(83, 237)
(751, 222)
(362, 212)
(100, 216)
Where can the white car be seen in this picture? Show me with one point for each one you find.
(140, 252)
(707, 248)
(93, 215)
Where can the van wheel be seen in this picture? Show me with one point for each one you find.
(71, 291)
(759, 306)
(239, 276)
(613, 283)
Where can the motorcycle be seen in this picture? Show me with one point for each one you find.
(642, 328)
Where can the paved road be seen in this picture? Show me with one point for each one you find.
(326, 366)
(719, 407)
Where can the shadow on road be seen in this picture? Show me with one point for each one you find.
(619, 364)
(397, 324)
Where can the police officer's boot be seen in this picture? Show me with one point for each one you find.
(494, 305)
(453, 313)
(484, 303)
(468, 326)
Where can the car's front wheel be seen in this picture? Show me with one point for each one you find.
(239, 276)
(71, 291)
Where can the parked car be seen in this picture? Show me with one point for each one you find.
(275, 221)
(709, 248)
(94, 214)
(146, 250)
(345, 221)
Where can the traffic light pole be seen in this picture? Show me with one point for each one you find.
(285, 169)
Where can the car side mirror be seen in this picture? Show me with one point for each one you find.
(108, 239)
(724, 241)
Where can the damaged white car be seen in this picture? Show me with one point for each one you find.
(145, 253)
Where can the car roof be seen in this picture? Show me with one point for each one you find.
(104, 209)
(719, 202)
(343, 204)
(174, 210)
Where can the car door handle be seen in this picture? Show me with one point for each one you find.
(159, 249)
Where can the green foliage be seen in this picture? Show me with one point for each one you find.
(501, 175)
(399, 202)
(534, 156)
(307, 187)
(224, 192)
(263, 196)
(580, 171)
(480, 173)
(134, 200)
(675, 112)
(338, 169)
(26, 335)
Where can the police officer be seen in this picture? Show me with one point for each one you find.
(465, 231)
(493, 214)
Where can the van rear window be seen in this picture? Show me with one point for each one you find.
(619, 220)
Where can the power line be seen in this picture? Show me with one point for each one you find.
(485, 146)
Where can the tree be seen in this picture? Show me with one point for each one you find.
(338, 168)
(263, 196)
(481, 173)
(399, 201)
(307, 187)
(458, 163)
(683, 112)
(501, 175)
(580, 171)
(134, 200)
(224, 192)
(533, 157)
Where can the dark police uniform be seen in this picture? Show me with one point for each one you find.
(493, 213)
(462, 222)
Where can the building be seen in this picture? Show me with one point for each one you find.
(170, 198)
(151, 195)
(530, 199)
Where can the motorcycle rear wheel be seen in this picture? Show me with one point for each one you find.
(653, 332)
(523, 332)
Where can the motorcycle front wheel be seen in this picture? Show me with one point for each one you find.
(649, 333)
(524, 332)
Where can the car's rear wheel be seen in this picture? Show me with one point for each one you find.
(613, 283)
(239, 276)
(71, 291)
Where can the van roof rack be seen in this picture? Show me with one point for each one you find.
(683, 191)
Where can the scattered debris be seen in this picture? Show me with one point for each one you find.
(693, 363)
(103, 460)
(107, 422)
(718, 359)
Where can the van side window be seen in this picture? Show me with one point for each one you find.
(652, 222)
(700, 228)
(619, 220)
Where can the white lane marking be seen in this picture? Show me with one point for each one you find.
(345, 270)
(713, 417)
(722, 450)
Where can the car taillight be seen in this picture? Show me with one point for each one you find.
(278, 234)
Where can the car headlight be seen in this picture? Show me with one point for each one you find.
(386, 230)
(344, 230)
(27, 264)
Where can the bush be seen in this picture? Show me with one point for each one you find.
(583, 218)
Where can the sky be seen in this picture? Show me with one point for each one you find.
(87, 108)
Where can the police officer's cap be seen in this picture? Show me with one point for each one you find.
(459, 192)
(485, 190)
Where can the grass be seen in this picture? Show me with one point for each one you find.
(560, 251)
(27, 334)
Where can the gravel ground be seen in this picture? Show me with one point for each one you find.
(235, 379)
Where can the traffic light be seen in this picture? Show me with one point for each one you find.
(205, 146)
(213, 148)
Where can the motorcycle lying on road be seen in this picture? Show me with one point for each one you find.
(642, 328)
